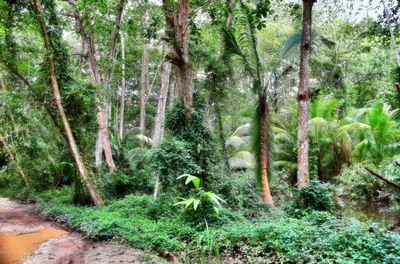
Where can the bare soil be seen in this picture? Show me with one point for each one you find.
(27, 239)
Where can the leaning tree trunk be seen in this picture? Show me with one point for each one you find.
(123, 90)
(264, 142)
(83, 172)
(160, 116)
(303, 97)
(144, 87)
(14, 158)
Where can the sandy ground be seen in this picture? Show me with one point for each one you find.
(19, 225)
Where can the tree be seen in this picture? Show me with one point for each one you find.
(177, 35)
(83, 172)
(88, 52)
(252, 66)
(303, 96)
(158, 130)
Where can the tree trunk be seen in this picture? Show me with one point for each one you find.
(222, 139)
(89, 53)
(266, 194)
(144, 87)
(123, 90)
(159, 120)
(303, 96)
(179, 53)
(83, 172)
(394, 43)
(14, 158)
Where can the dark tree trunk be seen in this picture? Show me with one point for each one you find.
(303, 97)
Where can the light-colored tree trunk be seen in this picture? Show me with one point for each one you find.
(13, 156)
(123, 89)
(144, 87)
(160, 116)
(266, 193)
(303, 97)
(172, 88)
(387, 16)
(89, 52)
(83, 172)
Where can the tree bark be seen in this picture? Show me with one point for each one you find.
(179, 53)
(14, 158)
(123, 90)
(160, 116)
(393, 184)
(144, 87)
(89, 53)
(264, 141)
(303, 97)
(394, 43)
(83, 172)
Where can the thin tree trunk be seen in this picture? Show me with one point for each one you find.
(123, 90)
(393, 184)
(160, 116)
(144, 87)
(264, 142)
(394, 43)
(222, 139)
(14, 158)
(83, 172)
(172, 89)
(89, 52)
(303, 97)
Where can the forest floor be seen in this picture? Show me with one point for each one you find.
(28, 239)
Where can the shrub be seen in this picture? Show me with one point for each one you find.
(315, 196)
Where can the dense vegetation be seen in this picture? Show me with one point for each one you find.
(207, 131)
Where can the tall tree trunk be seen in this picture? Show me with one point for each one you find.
(83, 172)
(160, 116)
(264, 142)
(303, 97)
(144, 87)
(89, 53)
(179, 53)
(13, 156)
(387, 16)
(172, 88)
(123, 90)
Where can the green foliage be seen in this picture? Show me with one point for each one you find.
(315, 196)
(357, 183)
(209, 202)
(188, 149)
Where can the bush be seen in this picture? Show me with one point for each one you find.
(315, 196)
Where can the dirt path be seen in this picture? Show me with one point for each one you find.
(28, 239)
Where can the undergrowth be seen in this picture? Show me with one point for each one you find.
(273, 237)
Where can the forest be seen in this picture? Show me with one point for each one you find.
(200, 131)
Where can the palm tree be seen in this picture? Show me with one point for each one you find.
(246, 49)
(382, 139)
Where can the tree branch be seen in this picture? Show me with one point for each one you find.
(393, 184)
